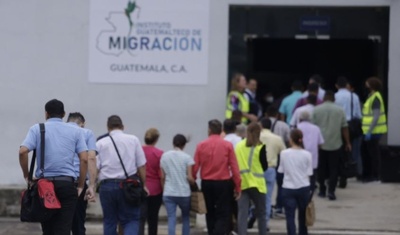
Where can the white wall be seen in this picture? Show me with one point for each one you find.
(44, 55)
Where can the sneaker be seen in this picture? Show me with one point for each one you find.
(331, 196)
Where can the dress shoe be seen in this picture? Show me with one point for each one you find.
(322, 194)
(331, 196)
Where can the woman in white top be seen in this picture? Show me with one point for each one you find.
(296, 165)
(176, 177)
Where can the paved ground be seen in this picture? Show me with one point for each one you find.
(371, 208)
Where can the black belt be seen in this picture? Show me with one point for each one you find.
(61, 178)
(112, 180)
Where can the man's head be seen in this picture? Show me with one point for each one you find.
(229, 126)
(266, 123)
(329, 96)
(312, 99)
(305, 116)
(54, 109)
(341, 82)
(238, 82)
(316, 78)
(252, 85)
(272, 111)
(297, 86)
(312, 88)
(214, 127)
(114, 122)
(77, 118)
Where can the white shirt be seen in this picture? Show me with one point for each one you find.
(296, 165)
(129, 148)
(321, 93)
(296, 115)
(233, 138)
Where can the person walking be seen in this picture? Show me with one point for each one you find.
(316, 79)
(62, 142)
(115, 151)
(215, 158)
(176, 176)
(151, 206)
(237, 101)
(331, 119)
(274, 145)
(289, 102)
(230, 132)
(78, 224)
(308, 107)
(296, 165)
(252, 160)
(374, 125)
(312, 141)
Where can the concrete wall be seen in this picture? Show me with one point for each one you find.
(44, 55)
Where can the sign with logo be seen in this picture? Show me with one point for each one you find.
(149, 41)
(315, 23)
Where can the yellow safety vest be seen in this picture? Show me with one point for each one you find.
(244, 105)
(381, 126)
(250, 168)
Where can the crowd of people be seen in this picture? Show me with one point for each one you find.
(239, 164)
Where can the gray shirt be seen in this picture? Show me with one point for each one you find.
(280, 128)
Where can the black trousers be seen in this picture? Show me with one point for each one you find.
(78, 223)
(61, 222)
(328, 168)
(313, 180)
(217, 195)
(279, 183)
(149, 212)
(371, 159)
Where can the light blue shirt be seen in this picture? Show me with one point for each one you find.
(90, 141)
(62, 142)
(343, 99)
(288, 105)
(174, 164)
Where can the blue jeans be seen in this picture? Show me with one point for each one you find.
(116, 209)
(270, 177)
(296, 198)
(170, 204)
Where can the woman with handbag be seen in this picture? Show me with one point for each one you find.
(252, 160)
(296, 165)
(151, 206)
(176, 178)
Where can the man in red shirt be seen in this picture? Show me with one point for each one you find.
(218, 166)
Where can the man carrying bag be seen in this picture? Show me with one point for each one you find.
(62, 142)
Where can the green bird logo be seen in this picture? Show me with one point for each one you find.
(129, 10)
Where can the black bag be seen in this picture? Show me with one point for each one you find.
(354, 125)
(132, 186)
(33, 207)
(348, 166)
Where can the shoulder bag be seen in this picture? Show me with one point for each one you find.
(354, 125)
(39, 201)
(132, 186)
(310, 212)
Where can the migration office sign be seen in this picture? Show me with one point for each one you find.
(148, 41)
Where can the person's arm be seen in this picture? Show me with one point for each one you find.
(197, 162)
(23, 161)
(293, 120)
(83, 166)
(92, 168)
(345, 132)
(376, 111)
(281, 168)
(234, 166)
(162, 178)
(190, 175)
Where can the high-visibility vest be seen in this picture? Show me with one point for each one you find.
(244, 105)
(381, 125)
(251, 171)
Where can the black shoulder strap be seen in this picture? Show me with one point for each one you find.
(32, 167)
(42, 145)
(273, 125)
(119, 156)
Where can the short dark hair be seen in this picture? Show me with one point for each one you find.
(317, 79)
(341, 82)
(229, 126)
(54, 108)
(72, 117)
(297, 85)
(272, 111)
(296, 136)
(266, 123)
(215, 126)
(312, 87)
(374, 83)
(114, 122)
(329, 95)
(179, 141)
(312, 99)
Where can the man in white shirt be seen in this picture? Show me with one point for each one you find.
(250, 95)
(316, 78)
(309, 107)
(230, 132)
(112, 173)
